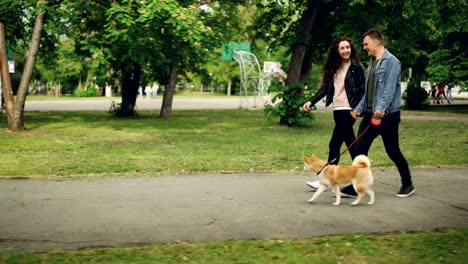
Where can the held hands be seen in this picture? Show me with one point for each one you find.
(355, 114)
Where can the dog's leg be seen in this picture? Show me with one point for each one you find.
(320, 190)
(358, 199)
(360, 194)
(371, 195)
(336, 188)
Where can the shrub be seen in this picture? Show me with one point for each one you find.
(89, 92)
(415, 97)
(287, 106)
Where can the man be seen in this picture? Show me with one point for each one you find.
(382, 101)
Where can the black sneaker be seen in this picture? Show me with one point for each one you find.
(406, 191)
(348, 192)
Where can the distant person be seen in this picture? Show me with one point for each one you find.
(148, 91)
(441, 91)
(343, 85)
(433, 94)
(449, 92)
(155, 89)
(382, 101)
(140, 92)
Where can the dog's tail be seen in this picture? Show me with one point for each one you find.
(361, 161)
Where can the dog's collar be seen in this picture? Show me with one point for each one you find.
(326, 164)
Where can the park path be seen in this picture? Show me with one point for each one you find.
(41, 215)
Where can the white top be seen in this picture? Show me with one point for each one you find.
(340, 99)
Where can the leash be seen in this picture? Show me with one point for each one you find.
(359, 136)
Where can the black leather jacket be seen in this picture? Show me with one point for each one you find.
(354, 86)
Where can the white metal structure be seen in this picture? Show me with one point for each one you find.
(251, 78)
(272, 72)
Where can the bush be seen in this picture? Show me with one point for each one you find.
(287, 106)
(415, 97)
(89, 92)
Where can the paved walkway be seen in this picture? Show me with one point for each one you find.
(103, 104)
(39, 215)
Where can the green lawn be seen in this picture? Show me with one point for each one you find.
(74, 144)
(447, 246)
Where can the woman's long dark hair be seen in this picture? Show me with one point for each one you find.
(334, 60)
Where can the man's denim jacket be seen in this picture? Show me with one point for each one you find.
(387, 91)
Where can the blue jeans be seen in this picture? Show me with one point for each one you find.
(388, 129)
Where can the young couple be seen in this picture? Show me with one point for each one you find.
(353, 94)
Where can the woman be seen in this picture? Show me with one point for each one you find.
(343, 85)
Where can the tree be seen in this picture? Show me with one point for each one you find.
(15, 109)
(419, 33)
(160, 38)
(448, 62)
(62, 68)
(239, 27)
(408, 29)
(112, 58)
(407, 26)
(298, 28)
(174, 33)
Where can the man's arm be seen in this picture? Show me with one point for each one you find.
(391, 79)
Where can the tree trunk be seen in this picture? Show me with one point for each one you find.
(169, 90)
(7, 90)
(306, 68)
(419, 69)
(130, 84)
(57, 89)
(299, 63)
(228, 93)
(295, 65)
(295, 70)
(15, 114)
(79, 82)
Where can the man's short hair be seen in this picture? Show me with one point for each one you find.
(374, 34)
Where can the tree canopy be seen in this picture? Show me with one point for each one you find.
(131, 43)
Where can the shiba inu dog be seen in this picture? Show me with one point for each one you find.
(359, 174)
